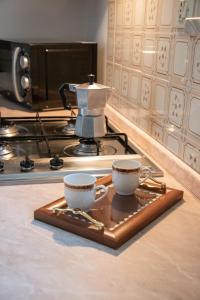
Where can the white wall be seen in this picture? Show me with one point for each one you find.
(46, 19)
(60, 20)
(100, 35)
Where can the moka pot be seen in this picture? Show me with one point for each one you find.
(91, 100)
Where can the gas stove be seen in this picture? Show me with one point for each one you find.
(45, 149)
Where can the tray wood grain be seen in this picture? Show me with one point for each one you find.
(123, 216)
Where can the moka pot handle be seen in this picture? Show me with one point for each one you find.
(64, 91)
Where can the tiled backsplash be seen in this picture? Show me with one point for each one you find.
(155, 70)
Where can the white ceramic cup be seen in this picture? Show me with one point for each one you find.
(80, 190)
(126, 175)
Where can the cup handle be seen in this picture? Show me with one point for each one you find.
(148, 173)
(104, 189)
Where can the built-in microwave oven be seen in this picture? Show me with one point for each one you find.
(32, 72)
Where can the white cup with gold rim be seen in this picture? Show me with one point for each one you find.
(80, 190)
(126, 175)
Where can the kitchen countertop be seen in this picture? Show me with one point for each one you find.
(12, 109)
(38, 261)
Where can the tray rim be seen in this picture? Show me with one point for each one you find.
(111, 238)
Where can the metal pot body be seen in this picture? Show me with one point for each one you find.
(90, 126)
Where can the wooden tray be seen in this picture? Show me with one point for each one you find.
(123, 216)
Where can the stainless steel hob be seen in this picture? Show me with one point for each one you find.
(44, 149)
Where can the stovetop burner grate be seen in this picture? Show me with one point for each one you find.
(89, 147)
(69, 128)
(8, 128)
(6, 151)
(54, 152)
(47, 135)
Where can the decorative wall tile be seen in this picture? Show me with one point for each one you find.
(129, 111)
(136, 50)
(157, 132)
(160, 97)
(134, 86)
(196, 63)
(192, 157)
(194, 116)
(118, 47)
(117, 78)
(109, 75)
(144, 121)
(111, 14)
(128, 13)
(126, 50)
(148, 52)
(124, 108)
(139, 12)
(180, 62)
(166, 13)
(146, 92)
(173, 144)
(151, 12)
(163, 56)
(176, 108)
(119, 13)
(154, 69)
(110, 46)
(184, 9)
(114, 101)
(124, 83)
(133, 114)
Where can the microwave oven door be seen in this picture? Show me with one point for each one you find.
(70, 64)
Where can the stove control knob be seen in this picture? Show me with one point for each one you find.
(27, 165)
(24, 62)
(1, 166)
(25, 82)
(56, 163)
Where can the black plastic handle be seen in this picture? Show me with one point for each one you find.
(91, 78)
(64, 95)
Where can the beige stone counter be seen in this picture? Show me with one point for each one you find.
(38, 261)
(12, 109)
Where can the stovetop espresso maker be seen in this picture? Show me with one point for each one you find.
(91, 100)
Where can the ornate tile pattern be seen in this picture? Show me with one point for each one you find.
(192, 157)
(124, 83)
(126, 50)
(157, 132)
(184, 9)
(128, 13)
(196, 63)
(146, 92)
(163, 56)
(151, 12)
(137, 50)
(154, 68)
(176, 108)
(111, 14)
(118, 48)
